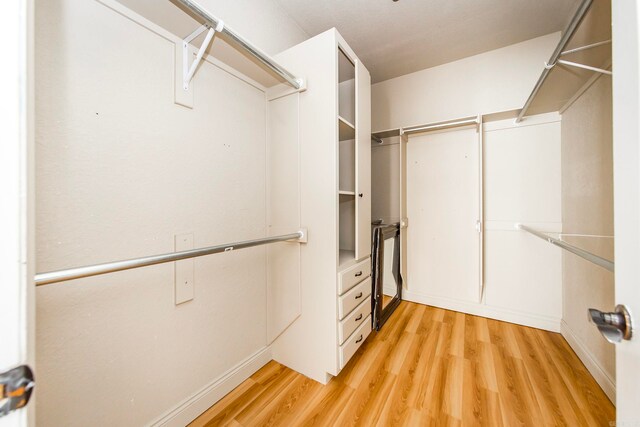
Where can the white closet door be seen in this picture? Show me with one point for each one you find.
(442, 207)
(363, 164)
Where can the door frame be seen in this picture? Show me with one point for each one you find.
(626, 188)
(17, 302)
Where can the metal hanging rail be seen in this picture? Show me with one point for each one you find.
(111, 267)
(213, 22)
(602, 262)
(566, 36)
(439, 126)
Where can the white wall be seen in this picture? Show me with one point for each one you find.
(443, 193)
(522, 182)
(587, 216)
(120, 170)
(498, 80)
(522, 170)
(385, 180)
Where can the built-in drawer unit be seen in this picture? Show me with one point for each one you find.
(353, 320)
(350, 277)
(354, 342)
(353, 298)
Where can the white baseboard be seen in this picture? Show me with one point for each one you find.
(527, 319)
(607, 383)
(190, 408)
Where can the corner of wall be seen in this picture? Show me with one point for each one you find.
(190, 408)
(605, 382)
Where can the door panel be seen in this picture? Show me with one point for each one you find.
(17, 300)
(626, 178)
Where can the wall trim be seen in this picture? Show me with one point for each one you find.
(190, 408)
(603, 379)
(526, 319)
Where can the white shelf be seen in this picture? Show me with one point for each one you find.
(347, 131)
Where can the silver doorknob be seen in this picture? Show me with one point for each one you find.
(615, 326)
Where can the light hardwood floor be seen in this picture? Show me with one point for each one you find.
(429, 366)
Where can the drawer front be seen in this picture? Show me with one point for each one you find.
(348, 349)
(353, 275)
(353, 320)
(353, 298)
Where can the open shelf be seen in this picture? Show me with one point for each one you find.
(346, 160)
(564, 84)
(346, 131)
(346, 257)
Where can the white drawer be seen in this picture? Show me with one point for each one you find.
(353, 275)
(353, 320)
(354, 342)
(353, 298)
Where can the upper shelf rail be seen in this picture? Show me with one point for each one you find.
(440, 125)
(602, 262)
(111, 267)
(562, 44)
(262, 57)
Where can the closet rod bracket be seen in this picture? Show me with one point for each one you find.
(188, 70)
(303, 235)
(577, 65)
(581, 48)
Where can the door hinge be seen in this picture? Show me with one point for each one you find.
(16, 387)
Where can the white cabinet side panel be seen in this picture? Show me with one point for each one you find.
(308, 345)
(283, 212)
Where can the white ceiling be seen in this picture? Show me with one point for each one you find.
(397, 38)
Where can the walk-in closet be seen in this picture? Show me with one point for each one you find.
(294, 213)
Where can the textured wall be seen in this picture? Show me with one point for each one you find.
(120, 170)
(587, 216)
(385, 180)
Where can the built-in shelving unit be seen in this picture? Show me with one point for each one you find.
(347, 158)
(586, 41)
(332, 302)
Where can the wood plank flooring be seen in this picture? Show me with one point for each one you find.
(429, 366)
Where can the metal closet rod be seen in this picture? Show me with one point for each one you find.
(438, 126)
(602, 262)
(566, 36)
(111, 267)
(265, 59)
